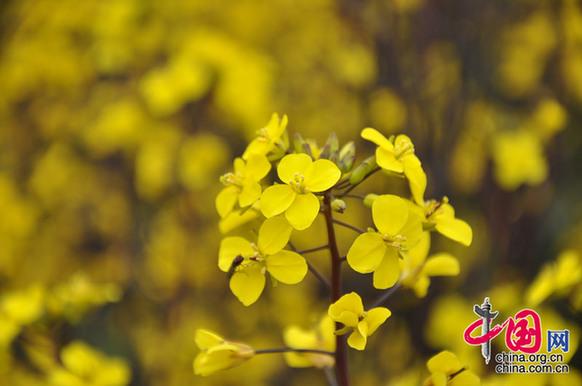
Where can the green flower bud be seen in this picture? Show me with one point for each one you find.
(369, 199)
(347, 155)
(362, 170)
(331, 148)
(338, 205)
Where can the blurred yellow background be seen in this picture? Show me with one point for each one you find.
(117, 118)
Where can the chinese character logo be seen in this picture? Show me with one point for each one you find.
(523, 332)
(558, 339)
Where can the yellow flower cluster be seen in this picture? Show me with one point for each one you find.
(312, 181)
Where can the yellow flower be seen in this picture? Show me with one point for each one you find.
(399, 224)
(417, 269)
(243, 185)
(84, 366)
(519, 158)
(441, 216)
(446, 370)
(320, 338)
(301, 177)
(349, 311)
(248, 262)
(218, 354)
(399, 157)
(272, 140)
(558, 277)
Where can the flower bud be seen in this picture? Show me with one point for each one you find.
(362, 170)
(369, 199)
(299, 143)
(331, 148)
(346, 157)
(338, 205)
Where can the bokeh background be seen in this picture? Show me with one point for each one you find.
(118, 117)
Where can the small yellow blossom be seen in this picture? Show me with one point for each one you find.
(243, 185)
(301, 177)
(446, 370)
(399, 225)
(218, 354)
(349, 311)
(558, 277)
(399, 157)
(519, 159)
(272, 140)
(417, 269)
(320, 338)
(441, 216)
(84, 366)
(249, 262)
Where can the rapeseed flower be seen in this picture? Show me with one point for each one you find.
(399, 157)
(361, 324)
(301, 177)
(247, 262)
(218, 354)
(243, 186)
(399, 225)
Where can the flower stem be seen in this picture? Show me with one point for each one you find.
(280, 350)
(349, 226)
(309, 250)
(341, 353)
(389, 292)
(355, 185)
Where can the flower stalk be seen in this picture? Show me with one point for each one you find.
(341, 353)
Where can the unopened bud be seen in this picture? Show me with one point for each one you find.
(299, 143)
(362, 170)
(346, 158)
(369, 199)
(331, 148)
(338, 205)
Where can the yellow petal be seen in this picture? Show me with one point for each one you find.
(274, 235)
(439, 379)
(257, 167)
(366, 252)
(322, 175)
(239, 166)
(287, 267)
(390, 213)
(455, 229)
(466, 378)
(376, 137)
(416, 177)
(387, 160)
(357, 340)
(247, 284)
(444, 362)
(276, 199)
(206, 339)
(376, 317)
(293, 164)
(226, 200)
(349, 303)
(276, 127)
(257, 146)
(303, 211)
(421, 285)
(231, 247)
(441, 264)
(249, 194)
(363, 328)
(388, 272)
(236, 219)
